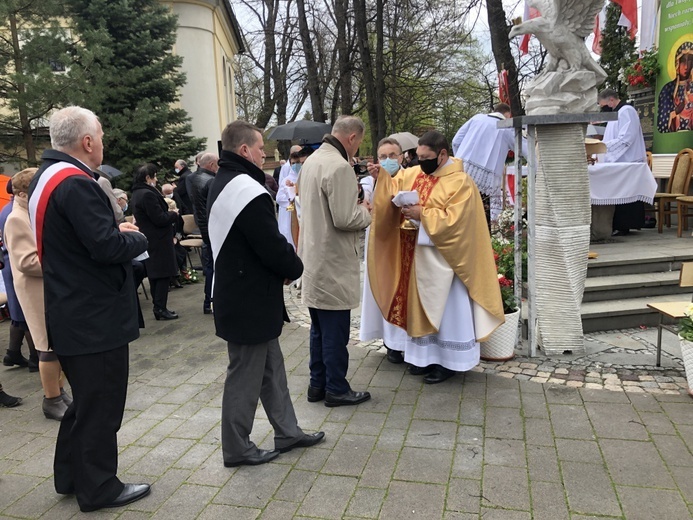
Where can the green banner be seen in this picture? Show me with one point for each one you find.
(674, 108)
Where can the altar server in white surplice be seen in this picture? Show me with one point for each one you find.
(624, 144)
(283, 200)
(483, 148)
(623, 138)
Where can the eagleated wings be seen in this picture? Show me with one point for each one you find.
(577, 16)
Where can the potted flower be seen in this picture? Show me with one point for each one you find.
(642, 73)
(686, 341)
(500, 345)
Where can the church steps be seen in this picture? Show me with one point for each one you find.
(619, 288)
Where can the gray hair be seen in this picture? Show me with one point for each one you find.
(181, 164)
(347, 125)
(208, 159)
(120, 194)
(198, 157)
(69, 125)
(608, 93)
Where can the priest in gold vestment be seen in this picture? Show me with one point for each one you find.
(430, 266)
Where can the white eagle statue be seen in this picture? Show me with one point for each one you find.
(562, 29)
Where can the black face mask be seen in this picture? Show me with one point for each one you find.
(606, 108)
(428, 166)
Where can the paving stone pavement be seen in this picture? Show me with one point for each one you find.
(477, 446)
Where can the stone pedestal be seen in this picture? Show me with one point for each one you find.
(563, 216)
(562, 93)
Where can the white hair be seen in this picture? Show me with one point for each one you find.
(119, 194)
(208, 159)
(69, 125)
(347, 125)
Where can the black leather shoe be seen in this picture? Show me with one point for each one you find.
(207, 308)
(348, 399)
(308, 440)
(395, 356)
(165, 314)
(438, 375)
(261, 457)
(420, 371)
(14, 357)
(131, 493)
(315, 394)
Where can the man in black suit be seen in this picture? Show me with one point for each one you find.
(91, 306)
(252, 262)
(181, 192)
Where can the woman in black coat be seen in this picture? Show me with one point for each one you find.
(157, 223)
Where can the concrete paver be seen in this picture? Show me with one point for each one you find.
(477, 446)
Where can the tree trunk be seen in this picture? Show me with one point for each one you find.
(380, 131)
(500, 44)
(345, 103)
(24, 123)
(361, 26)
(313, 86)
(270, 50)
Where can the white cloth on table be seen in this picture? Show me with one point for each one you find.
(454, 346)
(285, 195)
(621, 183)
(623, 138)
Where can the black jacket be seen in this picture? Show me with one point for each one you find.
(181, 192)
(157, 223)
(252, 264)
(91, 305)
(199, 182)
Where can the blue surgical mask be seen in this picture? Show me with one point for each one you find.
(296, 167)
(125, 208)
(391, 166)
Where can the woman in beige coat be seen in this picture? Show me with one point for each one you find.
(28, 283)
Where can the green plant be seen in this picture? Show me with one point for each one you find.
(686, 324)
(503, 245)
(644, 70)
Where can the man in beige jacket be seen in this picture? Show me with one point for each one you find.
(331, 222)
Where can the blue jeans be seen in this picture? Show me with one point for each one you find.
(329, 357)
(208, 271)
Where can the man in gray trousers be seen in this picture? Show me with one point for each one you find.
(252, 262)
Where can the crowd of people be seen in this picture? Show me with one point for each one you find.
(430, 288)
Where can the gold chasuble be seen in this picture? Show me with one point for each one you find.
(411, 283)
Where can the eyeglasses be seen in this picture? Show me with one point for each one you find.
(393, 155)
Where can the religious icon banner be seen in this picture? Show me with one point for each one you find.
(674, 114)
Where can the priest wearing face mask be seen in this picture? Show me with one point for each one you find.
(435, 283)
(373, 325)
(287, 192)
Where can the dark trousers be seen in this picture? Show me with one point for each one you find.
(208, 271)
(255, 372)
(329, 357)
(159, 289)
(629, 216)
(86, 451)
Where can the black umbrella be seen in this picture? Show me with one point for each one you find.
(303, 130)
(110, 171)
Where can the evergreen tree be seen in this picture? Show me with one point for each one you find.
(35, 76)
(133, 85)
(618, 51)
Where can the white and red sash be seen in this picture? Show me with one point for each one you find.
(49, 180)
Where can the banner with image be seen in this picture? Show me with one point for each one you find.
(674, 107)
